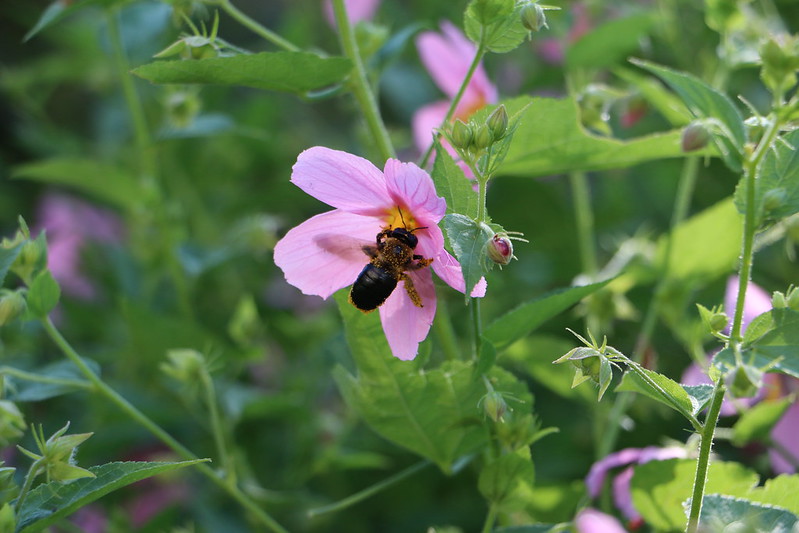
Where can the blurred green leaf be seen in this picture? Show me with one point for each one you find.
(782, 491)
(756, 422)
(56, 379)
(706, 102)
(771, 340)
(43, 294)
(551, 140)
(659, 488)
(50, 502)
(468, 240)
(495, 23)
(62, 8)
(721, 513)
(665, 101)
(633, 382)
(532, 528)
(610, 43)
(500, 477)
(7, 258)
(106, 182)
(295, 72)
(777, 184)
(520, 321)
(453, 185)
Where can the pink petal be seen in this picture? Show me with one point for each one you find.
(342, 180)
(785, 433)
(448, 269)
(480, 87)
(425, 120)
(323, 254)
(622, 496)
(756, 303)
(599, 471)
(357, 10)
(413, 188)
(593, 521)
(404, 324)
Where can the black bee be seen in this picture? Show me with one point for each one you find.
(390, 259)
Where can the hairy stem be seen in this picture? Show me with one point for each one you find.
(257, 28)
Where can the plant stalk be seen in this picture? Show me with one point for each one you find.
(257, 28)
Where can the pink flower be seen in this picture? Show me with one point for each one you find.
(357, 10)
(552, 50)
(447, 57)
(71, 224)
(784, 434)
(592, 521)
(622, 497)
(325, 253)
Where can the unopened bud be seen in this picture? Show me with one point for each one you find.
(778, 300)
(500, 249)
(462, 135)
(780, 56)
(793, 298)
(482, 138)
(533, 17)
(718, 321)
(590, 367)
(497, 123)
(774, 199)
(695, 136)
(185, 365)
(494, 406)
(12, 305)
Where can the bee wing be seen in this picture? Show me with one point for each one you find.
(346, 247)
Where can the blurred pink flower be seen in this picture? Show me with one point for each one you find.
(90, 519)
(447, 57)
(552, 50)
(325, 253)
(357, 10)
(592, 521)
(595, 480)
(71, 224)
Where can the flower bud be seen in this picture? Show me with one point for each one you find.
(773, 199)
(494, 405)
(695, 136)
(793, 298)
(500, 249)
(533, 17)
(497, 123)
(780, 56)
(482, 138)
(718, 321)
(462, 135)
(12, 305)
(185, 365)
(778, 300)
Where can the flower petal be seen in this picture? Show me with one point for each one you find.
(404, 324)
(756, 303)
(413, 188)
(784, 433)
(599, 470)
(425, 120)
(342, 180)
(324, 253)
(593, 521)
(448, 269)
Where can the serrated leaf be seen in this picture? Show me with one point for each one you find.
(495, 23)
(778, 176)
(519, 322)
(550, 140)
(700, 395)
(51, 502)
(722, 513)
(468, 240)
(295, 72)
(453, 185)
(609, 43)
(43, 294)
(706, 102)
(678, 398)
(659, 488)
(756, 422)
(104, 181)
(7, 258)
(771, 340)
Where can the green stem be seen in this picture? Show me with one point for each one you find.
(256, 28)
(361, 86)
(478, 56)
(217, 428)
(369, 492)
(491, 517)
(703, 462)
(445, 333)
(114, 397)
(584, 218)
(39, 378)
(33, 471)
(478, 326)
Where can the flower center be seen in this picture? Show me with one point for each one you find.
(400, 217)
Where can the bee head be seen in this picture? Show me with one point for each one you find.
(405, 236)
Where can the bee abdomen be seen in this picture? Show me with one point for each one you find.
(372, 288)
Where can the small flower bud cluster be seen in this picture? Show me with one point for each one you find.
(787, 300)
(474, 138)
(56, 457)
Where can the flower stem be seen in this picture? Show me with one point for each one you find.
(33, 471)
(478, 326)
(217, 428)
(257, 28)
(125, 406)
(360, 83)
(491, 517)
(478, 56)
(584, 218)
(703, 462)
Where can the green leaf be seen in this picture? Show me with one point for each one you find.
(659, 488)
(665, 101)
(468, 240)
(706, 102)
(106, 182)
(500, 478)
(777, 184)
(723, 513)
(495, 23)
(50, 502)
(7, 258)
(676, 396)
(610, 43)
(531, 528)
(295, 72)
(550, 140)
(771, 340)
(519, 322)
(396, 399)
(43, 294)
(453, 185)
(705, 246)
(757, 422)
(700, 395)
(59, 10)
(782, 491)
(50, 381)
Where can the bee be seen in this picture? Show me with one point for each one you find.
(390, 259)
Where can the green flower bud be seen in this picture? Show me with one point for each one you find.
(793, 298)
(774, 199)
(718, 321)
(494, 406)
(184, 365)
(497, 123)
(500, 249)
(533, 17)
(780, 56)
(695, 136)
(12, 425)
(482, 138)
(12, 306)
(58, 454)
(778, 300)
(462, 135)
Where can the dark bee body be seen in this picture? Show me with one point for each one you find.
(391, 258)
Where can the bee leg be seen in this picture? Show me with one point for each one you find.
(411, 290)
(421, 262)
